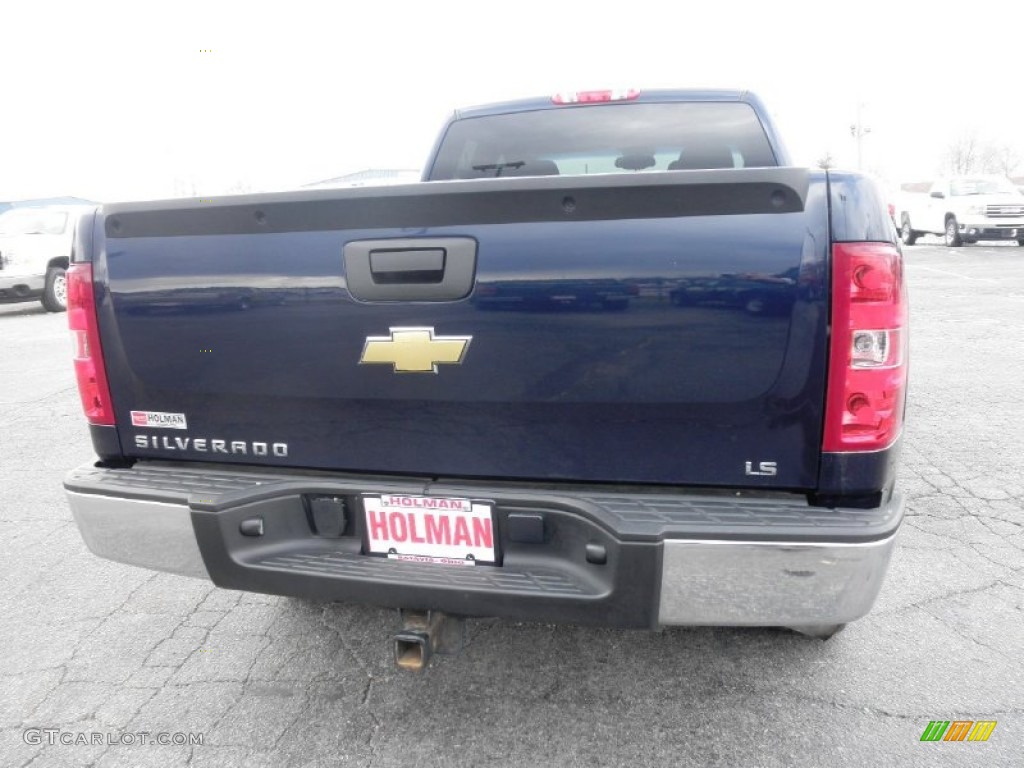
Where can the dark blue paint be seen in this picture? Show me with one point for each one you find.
(658, 349)
(556, 387)
(859, 211)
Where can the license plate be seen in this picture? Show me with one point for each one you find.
(430, 529)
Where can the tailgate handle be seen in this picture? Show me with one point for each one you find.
(411, 269)
(413, 265)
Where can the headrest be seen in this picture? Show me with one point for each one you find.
(533, 168)
(703, 158)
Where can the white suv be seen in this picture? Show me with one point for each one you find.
(35, 249)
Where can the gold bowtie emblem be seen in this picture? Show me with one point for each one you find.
(415, 350)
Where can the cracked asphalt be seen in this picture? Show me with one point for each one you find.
(89, 646)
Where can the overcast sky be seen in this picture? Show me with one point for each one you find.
(121, 100)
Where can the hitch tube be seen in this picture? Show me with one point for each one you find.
(425, 633)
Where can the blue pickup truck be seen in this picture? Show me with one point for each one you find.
(490, 393)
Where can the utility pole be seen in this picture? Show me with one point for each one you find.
(859, 131)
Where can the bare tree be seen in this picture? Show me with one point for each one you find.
(963, 155)
(185, 186)
(969, 154)
(240, 187)
(999, 158)
(826, 161)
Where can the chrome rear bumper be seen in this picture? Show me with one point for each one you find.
(168, 521)
(149, 534)
(770, 583)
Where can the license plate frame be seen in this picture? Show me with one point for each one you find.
(439, 530)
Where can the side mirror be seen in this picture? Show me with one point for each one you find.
(938, 194)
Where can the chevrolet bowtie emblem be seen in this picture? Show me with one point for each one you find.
(415, 350)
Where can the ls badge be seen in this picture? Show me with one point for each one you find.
(415, 350)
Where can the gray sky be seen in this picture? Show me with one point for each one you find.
(120, 100)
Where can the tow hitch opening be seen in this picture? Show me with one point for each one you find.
(425, 633)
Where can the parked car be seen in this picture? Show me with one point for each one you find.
(964, 210)
(35, 250)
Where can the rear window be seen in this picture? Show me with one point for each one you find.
(610, 138)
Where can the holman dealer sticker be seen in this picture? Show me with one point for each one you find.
(157, 420)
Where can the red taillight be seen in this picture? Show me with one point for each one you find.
(89, 368)
(867, 376)
(593, 97)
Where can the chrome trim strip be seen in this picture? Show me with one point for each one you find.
(149, 534)
(773, 584)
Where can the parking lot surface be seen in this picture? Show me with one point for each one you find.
(89, 647)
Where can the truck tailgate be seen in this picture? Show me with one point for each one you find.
(647, 328)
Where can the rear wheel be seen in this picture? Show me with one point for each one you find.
(1020, 242)
(908, 235)
(55, 294)
(952, 236)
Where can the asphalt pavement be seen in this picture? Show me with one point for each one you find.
(97, 659)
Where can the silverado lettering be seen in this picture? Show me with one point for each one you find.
(208, 445)
(683, 404)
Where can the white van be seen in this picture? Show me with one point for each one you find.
(35, 249)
